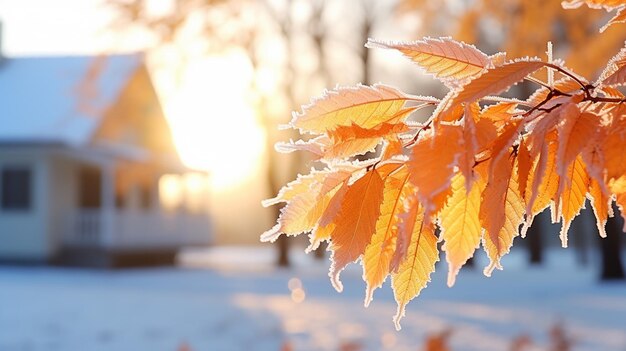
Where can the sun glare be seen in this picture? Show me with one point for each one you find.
(214, 126)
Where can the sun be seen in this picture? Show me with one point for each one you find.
(214, 126)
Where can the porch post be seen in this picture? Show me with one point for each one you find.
(108, 205)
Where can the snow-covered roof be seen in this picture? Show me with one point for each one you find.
(59, 99)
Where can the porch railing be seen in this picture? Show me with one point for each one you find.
(135, 229)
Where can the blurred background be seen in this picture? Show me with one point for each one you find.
(140, 133)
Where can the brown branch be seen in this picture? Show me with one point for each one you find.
(605, 99)
(583, 86)
(417, 135)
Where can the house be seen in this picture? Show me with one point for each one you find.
(83, 146)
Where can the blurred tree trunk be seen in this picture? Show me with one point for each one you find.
(611, 249)
(370, 14)
(534, 240)
(583, 226)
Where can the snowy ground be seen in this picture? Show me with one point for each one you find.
(233, 299)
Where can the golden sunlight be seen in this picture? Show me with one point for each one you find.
(214, 126)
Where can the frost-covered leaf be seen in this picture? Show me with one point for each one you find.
(446, 59)
(615, 72)
(479, 172)
(496, 80)
(501, 213)
(414, 271)
(365, 106)
(620, 17)
(460, 225)
(432, 163)
(380, 250)
(355, 223)
(595, 4)
(571, 195)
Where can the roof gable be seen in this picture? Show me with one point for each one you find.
(59, 99)
(136, 119)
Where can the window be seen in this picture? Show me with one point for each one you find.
(16, 188)
(145, 196)
(90, 188)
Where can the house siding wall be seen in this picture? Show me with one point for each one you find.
(24, 233)
(62, 183)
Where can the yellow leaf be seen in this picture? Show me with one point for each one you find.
(364, 106)
(379, 252)
(355, 223)
(318, 235)
(460, 225)
(302, 184)
(446, 59)
(412, 214)
(414, 271)
(303, 210)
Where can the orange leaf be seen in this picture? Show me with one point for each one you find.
(500, 111)
(393, 146)
(601, 205)
(355, 223)
(303, 183)
(460, 225)
(379, 251)
(486, 132)
(446, 59)
(612, 147)
(496, 80)
(501, 145)
(411, 215)
(575, 131)
(432, 163)
(501, 213)
(565, 85)
(524, 167)
(355, 140)
(571, 195)
(303, 211)
(469, 145)
(544, 179)
(414, 271)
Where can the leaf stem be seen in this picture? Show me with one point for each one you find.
(583, 86)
